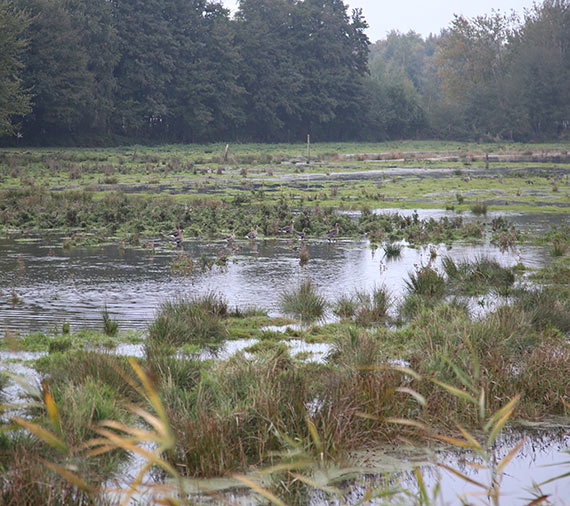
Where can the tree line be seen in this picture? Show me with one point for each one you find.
(95, 72)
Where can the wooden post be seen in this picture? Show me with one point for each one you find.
(226, 153)
(134, 153)
(308, 148)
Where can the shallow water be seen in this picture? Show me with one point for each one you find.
(55, 285)
(542, 456)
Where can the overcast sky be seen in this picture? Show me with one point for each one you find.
(422, 16)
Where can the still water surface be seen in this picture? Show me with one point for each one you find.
(55, 285)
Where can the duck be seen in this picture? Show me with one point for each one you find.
(253, 234)
(333, 232)
(289, 229)
(301, 235)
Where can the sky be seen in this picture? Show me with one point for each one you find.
(421, 16)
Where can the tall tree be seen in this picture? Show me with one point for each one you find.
(56, 72)
(474, 60)
(542, 67)
(269, 73)
(204, 98)
(94, 21)
(14, 99)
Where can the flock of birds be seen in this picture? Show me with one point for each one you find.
(176, 237)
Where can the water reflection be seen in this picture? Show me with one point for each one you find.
(56, 285)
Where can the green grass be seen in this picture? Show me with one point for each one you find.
(304, 303)
(195, 320)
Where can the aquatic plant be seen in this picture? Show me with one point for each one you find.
(392, 250)
(304, 302)
(558, 248)
(345, 306)
(425, 281)
(478, 276)
(193, 320)
(110, 326)
(479, 208)
(303, 255)
(373, 308)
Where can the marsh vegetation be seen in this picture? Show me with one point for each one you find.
(249, 360)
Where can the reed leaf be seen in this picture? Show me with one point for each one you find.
(455, 391)
(462, 476)
(507, 458)
(260, 490)
(70, 476)
(45, 435)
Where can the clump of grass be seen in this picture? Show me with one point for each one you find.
(195, 320)
(373, 308)
(304, 303)
(426, 281)
(29, 481)
(479, 208)
(60, 344)
(548, 307)
(392, 250)
(558, 248)
(345, 307)
(303, 255)
(478, 276)
(110, 326)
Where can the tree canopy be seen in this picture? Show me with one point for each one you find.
(107, 71)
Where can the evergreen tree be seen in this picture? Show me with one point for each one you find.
(14, 100)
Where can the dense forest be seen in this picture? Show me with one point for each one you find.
(92, 72)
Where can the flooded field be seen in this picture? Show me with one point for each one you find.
(55, 285)
(46, 285)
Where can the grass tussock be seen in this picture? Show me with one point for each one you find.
(392, 250)
(426, 281)
(365, 308)
(479, 208)
(478, 276)
(196, 320)
(304, 303)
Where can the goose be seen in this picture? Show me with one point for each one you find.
(232, 237)
(300, 235)
(333, 232)
(253, 234)
(176, 234)
(289, 229)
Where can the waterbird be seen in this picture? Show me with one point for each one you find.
(333, 232)
(177, 236)
(253, 234)
(289, 229)
(301, 235)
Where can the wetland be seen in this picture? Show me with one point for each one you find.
(402, 310)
